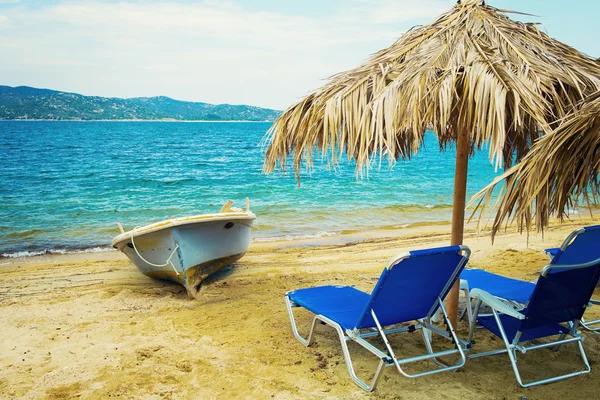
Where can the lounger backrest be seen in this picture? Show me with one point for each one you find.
(584, 247)
(563, 293)
(560, 296)
(408, 290)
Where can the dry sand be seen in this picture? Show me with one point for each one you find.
(92, 326)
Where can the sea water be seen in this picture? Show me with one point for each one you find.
(64, 185)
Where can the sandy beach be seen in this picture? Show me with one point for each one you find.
(92, 326)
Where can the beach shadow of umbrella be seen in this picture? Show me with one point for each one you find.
(474, 76)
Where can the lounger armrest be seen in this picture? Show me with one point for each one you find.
(496, 303)
(551, 253)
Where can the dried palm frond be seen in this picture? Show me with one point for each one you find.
(472, 69)
(561, 170)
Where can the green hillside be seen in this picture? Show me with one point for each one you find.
(25, 102)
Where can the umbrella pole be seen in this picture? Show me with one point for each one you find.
(458, 214)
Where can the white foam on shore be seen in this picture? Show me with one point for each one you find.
(402, 226)
(23, 254)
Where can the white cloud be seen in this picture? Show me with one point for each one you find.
(212, 20)
(4, 22)
(214, 51)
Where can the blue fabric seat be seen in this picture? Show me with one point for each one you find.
(405, 292)
(410, 289)
(498, 285)
(342, 304)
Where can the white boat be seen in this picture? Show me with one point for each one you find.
(186, 250)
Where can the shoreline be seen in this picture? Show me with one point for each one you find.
(425, 216)
(351, 236)
(343, 238)
(312, 239)
(308, 239)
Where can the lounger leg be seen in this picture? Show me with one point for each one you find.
(557, 378)
(468, 304)
(512, 354)
(427, 336)
(583, 358)
(462, 313)
(363, 385)
(588, 325)
(473, 321)
(468, 307)
(453, 333)
(343, 339)
(302, 340)
(557, 347)
(430, 355)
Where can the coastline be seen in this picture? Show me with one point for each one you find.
(348, 237)
(308, 239)
(90, 325)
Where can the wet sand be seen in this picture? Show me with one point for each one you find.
(92, 326)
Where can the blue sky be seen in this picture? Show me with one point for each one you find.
(260, 52)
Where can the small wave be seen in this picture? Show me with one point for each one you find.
(218, 159)
(21, 254)
(81, 251)
(417, 207)
(34, 253)
(294, 237)
(174, 180)
(263, 227)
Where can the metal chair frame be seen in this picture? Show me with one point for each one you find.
(469, 306)
(387, 357)
(501, 306)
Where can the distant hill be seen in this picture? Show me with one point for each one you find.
(25, 102)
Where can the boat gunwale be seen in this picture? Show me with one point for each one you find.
(174, 222)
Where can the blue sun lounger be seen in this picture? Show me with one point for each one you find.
(580, 246)
(410, 288)
(550, 308)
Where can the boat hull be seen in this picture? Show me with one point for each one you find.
(192, 250)
(195, 275)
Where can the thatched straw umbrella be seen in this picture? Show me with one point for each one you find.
(474, 76)
(561, 170)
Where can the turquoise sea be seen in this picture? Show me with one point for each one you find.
(65, 184)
